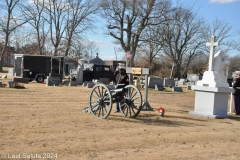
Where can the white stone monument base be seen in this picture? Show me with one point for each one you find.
(211, 102)
(212, 79)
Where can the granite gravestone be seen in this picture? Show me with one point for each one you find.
(152, 81)
(53, 81)
(159, 87)
(11, 71)
(177, 89)
(169, 83)
(192, 78)
(11, 83)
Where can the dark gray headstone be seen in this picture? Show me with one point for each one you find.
(53, 81)
(90, 85)
(0, 84)
(104, 80)
(154, 80)
(72, 83)
(56, 75)
(21, 80)
(177, 89)
(11, 83)
(159, 87)
(169, 83)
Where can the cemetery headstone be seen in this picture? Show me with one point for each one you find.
(11, 71)
(169, 83)
(212, 92)
(159, 87)
(11, 83)
(181, 82)
(152, 81)
(90, 85)
(193, 78)
(73, 83)
(53, 81)
(177, 89)
(21, 80)
(56, 75)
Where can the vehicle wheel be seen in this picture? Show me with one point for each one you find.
(131, 105)
(40, 79)
(100, 101)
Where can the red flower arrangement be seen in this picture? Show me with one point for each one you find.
(161, 111)
(4, 85)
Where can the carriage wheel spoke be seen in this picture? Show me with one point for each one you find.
(96, 93)
(133, 102)
(100, 101)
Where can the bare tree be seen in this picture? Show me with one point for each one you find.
(80, 18)
(237, 43)
(9, 23)
(66, 18)
(221, 30)
(56, 16)
(34, 12)
(150, 48)
(234, 64)
(182, 38)
(89, 48)
(82, 48)
(127, 19)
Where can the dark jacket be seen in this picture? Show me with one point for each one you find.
(122, 79)
(235, 85)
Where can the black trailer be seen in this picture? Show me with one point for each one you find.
(37, 67)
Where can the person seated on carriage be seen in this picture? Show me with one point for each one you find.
(121, 80)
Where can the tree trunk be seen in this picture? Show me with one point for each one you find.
(4, 52)
(178, 71)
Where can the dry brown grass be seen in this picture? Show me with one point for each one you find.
(42, 119)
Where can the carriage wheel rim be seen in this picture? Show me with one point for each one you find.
(100, 101)
(133, 104)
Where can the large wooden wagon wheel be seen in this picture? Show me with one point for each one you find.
(100, 101)
(131, 105)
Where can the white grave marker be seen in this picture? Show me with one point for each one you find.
(212, 45)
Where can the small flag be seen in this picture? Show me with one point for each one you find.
(128, 55)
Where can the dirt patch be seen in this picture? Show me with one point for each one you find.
(41, 121)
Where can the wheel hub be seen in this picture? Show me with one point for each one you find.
(100, 101)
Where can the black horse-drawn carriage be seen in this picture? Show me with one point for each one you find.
(102, 97)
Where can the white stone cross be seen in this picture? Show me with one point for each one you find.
(212, 45)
